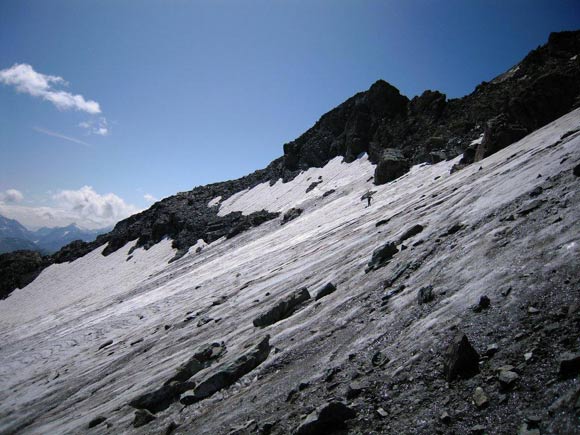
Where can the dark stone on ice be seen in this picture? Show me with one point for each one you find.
(382, 256)
(325, 291)
(157, 400)
(391, 166)
(283, 309)
(97, 421)
(105, 344)
(382, 222)
(483, 304)
(425, 295)
(530, 207)
(379, 359)
(326, 419)
(576, 170)
(536, 192)
(413, 231)
(219, 301)
(291, 214)
(461, 359)
(164, 396)
(313, 186)
(142, 417)
(230, 373)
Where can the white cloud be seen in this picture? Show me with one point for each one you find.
(11, 196)
(84, 207)
(26, 80)
(99, 127)
(91, 206)
(150, 198)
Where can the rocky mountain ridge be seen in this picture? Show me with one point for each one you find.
(395, 132)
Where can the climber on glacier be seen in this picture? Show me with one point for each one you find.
(368, 196)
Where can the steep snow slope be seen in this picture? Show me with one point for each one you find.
(56, 378)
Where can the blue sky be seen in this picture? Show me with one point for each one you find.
(193, 92)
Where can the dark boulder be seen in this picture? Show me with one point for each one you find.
(158, 400)
(576, 170)
(483, 304)
(203, 357)
(499, 133)
(569, 364)
(291, 214)
(381, 256)
(391, 166)
(410, 232)
(97, 421)
(142, 417)
(425, 295)
(227, 375)
(461, 359)
(161, 398)
(326, 419)
(325, 291)
(283, 309)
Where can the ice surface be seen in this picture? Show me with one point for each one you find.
(54, 378)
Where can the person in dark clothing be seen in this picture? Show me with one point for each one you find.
(369, 197)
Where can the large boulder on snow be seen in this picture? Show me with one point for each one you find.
(283, 309)
(391, 166)
(230, 373)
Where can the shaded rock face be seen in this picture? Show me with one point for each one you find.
(18, 269)
(283, 309)
(461, 360)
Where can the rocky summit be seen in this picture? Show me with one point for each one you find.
(282, 303)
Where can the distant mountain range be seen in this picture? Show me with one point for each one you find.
(14, 236)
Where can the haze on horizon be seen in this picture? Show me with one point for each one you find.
(106, 107)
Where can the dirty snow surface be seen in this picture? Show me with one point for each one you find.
(86, 338)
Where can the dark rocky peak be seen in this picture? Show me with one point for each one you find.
(429, 104)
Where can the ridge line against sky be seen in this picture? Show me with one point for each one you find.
(123, 104)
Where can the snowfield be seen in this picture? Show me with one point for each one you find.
(55, 377)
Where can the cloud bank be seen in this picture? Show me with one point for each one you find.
(89, 205)
(84, 206)
(26, 80)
